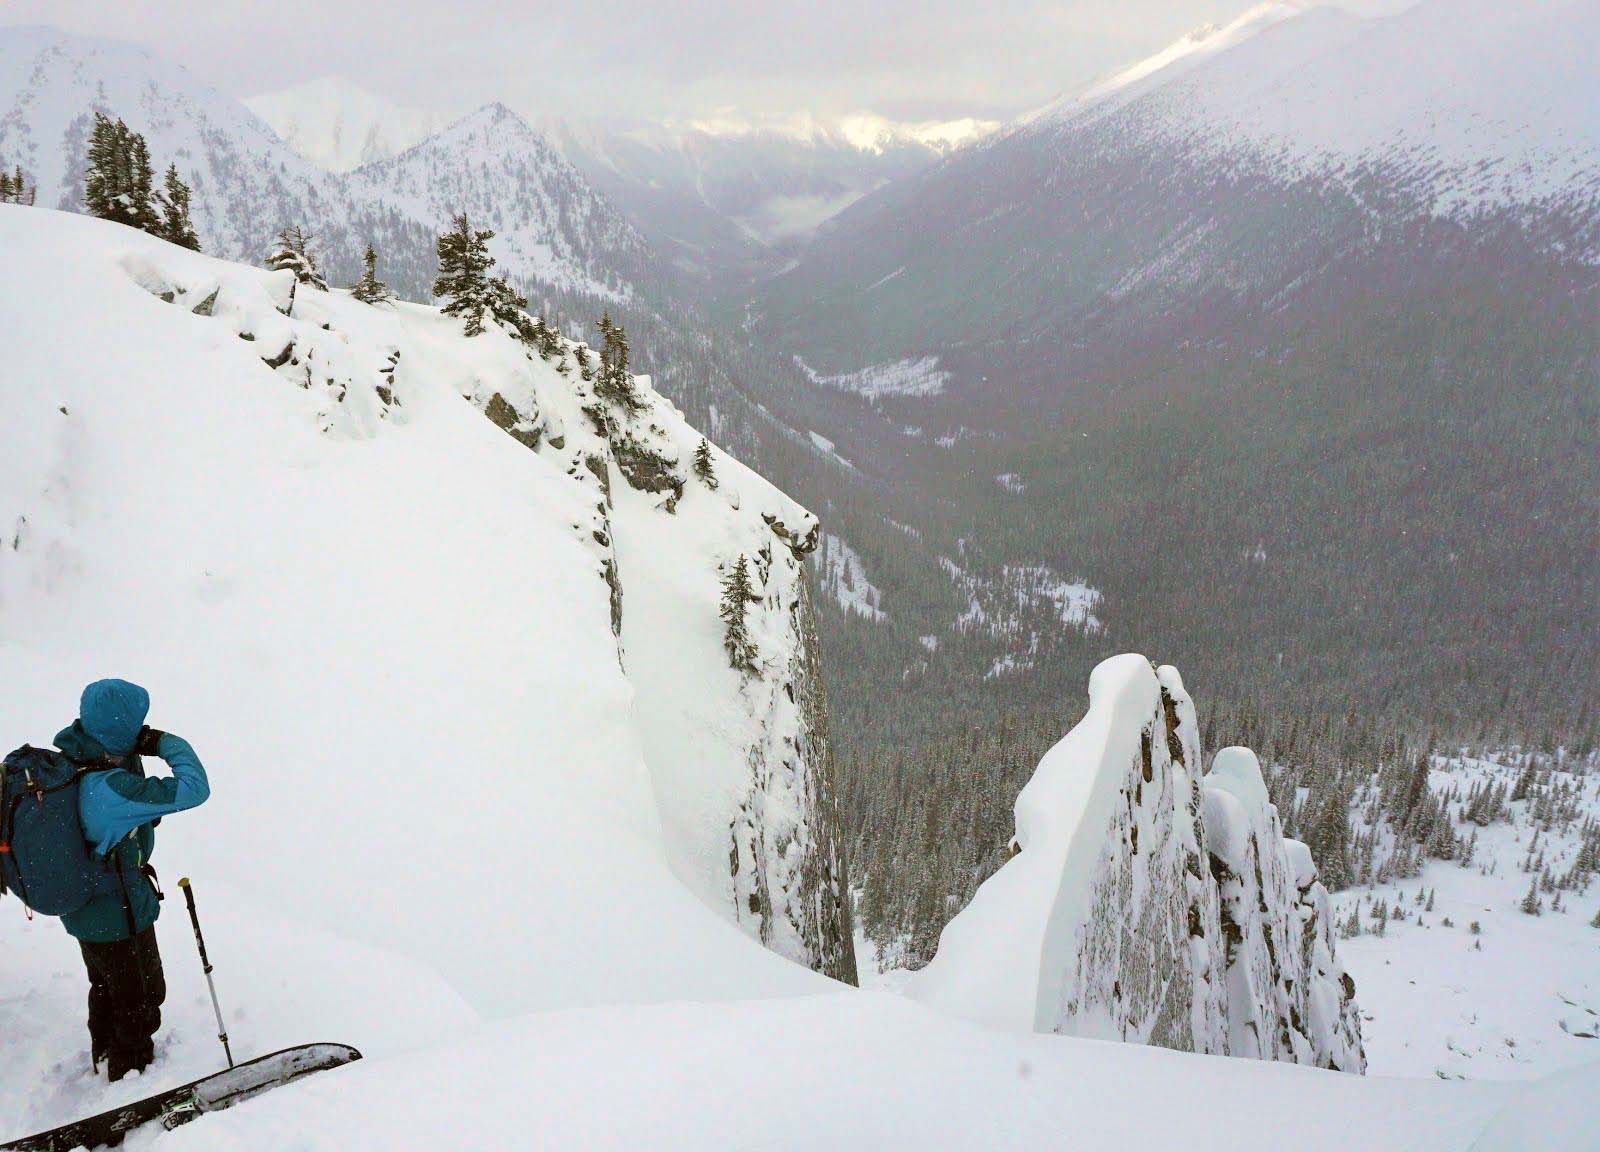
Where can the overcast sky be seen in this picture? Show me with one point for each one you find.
(907, 59)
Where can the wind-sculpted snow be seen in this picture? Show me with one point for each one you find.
(1146, 905)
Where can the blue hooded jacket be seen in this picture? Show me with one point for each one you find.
(119, 806)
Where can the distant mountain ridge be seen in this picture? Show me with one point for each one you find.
(1233, 165)
(558, 232)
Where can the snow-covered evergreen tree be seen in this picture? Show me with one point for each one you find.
(176, 227)
(615, 382)
(118, 183)
(465, 283)
(1531, 903)
(369, 289)
(703, 467)
(736, 597)
(292, 253)
(14, 187)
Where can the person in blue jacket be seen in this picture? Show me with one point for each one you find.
(120, 807)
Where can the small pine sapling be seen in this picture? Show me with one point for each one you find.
(703, 466)
(736, 598)
(369, 289)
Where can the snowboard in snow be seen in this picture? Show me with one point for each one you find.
(180, 1105)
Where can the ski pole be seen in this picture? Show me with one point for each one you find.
(205, 965)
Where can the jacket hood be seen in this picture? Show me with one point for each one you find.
(112, 712)
(79, 746)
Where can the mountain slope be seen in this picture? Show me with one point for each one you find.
(1311, 298)
(1234, 173)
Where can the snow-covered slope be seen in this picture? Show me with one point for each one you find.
(1456, 979)
(340, 126)
(345, 542)
(1175, 59)
(1467, 104)
(1145, 904)
(371, 584)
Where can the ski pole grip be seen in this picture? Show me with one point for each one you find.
(188, 893)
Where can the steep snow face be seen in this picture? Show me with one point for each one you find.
(1143, 904)
(340, 126)
(391, 627)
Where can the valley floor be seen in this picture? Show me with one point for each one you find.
(1517, 999)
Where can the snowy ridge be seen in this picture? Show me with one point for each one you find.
(549, 224)
(248, 184)
(1120, 914)
(1458, 106)
(1172, 61)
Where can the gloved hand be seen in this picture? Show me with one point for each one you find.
(149, 742)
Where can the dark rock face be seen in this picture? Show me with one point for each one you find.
(503, 416)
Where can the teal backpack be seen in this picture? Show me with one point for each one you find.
(44, 857)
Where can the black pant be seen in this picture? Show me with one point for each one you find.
(126, 991)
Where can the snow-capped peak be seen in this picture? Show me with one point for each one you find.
(1176, 58)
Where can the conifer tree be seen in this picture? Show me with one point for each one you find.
(1531, 904)
(142, 198)
(1595, 923)
(615, 382)
(176, 227)
(464, 282)
(293, 253)
(703, 466)
(369, 289)
(118, 180)
(736, 597)
(14, 187)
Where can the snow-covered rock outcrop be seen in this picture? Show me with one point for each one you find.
(1145, 904)
(1288, 998)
